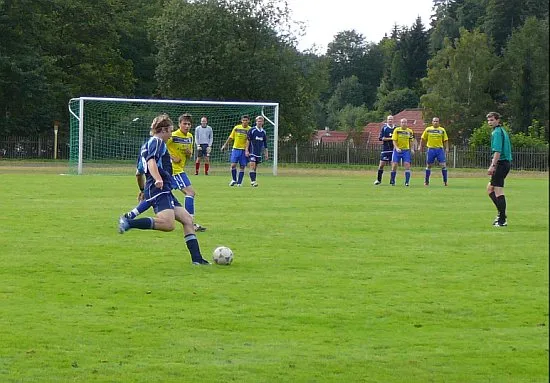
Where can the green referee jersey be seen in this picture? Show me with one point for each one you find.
(500, 142)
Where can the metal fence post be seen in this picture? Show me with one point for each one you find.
(454, 156)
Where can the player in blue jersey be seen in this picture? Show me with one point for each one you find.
(256, 148)
(157, 168)
(385, 136)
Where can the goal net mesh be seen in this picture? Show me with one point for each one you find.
(109, 137)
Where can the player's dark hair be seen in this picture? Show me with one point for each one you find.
(185, 117)
(245, 116)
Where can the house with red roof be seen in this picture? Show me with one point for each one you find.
(371, 131)
(415, 121)
(327, 135)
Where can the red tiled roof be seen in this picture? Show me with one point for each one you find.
(372, 130)
(329, 136)
(414, 118)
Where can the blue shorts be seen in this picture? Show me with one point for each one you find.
(203, 152)
(180, 181)
(435, 153)
(238, 157)
(386, 156)
(255, 158)
(164, 201)
(405, 155)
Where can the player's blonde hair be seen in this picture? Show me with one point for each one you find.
(161, 122)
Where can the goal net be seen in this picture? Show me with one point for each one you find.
(106, 133)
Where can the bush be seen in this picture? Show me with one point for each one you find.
(534, 139)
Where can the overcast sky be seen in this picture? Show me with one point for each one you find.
(374, 18)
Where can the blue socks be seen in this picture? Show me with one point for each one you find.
(142, 223)
(392, 177)
(190, 204)
(444, 173)
(428, 174)
(193, 247)
(252, 176)
(407, 176)
(234, 174)
(241, 176)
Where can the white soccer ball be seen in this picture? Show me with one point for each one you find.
(222, 255)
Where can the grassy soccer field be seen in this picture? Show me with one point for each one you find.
(334, 280)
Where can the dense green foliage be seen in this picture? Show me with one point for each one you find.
(474, 56)
(533, 139)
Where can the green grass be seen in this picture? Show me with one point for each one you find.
(334, 280)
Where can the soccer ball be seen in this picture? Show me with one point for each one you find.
(222, 255)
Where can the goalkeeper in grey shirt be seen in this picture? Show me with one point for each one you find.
(203, 139)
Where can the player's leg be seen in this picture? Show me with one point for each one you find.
(384, 158)
(163, 221)
(243, 161)
(198, 163)
(143, 206)
(429, 163)
(183, 217)
(441, 158)
(497, 183)
(252, 173)
(393, 170)
(206, 159)
(407, 164)
(234, 160)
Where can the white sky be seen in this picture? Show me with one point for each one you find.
(371, 18)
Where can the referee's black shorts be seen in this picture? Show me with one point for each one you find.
(502, 170)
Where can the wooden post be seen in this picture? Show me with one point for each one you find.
(55, 130)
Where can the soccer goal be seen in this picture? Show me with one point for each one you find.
(106, 133)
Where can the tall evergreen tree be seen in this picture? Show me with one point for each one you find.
(526, 57)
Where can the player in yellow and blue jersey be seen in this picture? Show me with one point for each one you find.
(238, 135)
(180, 147)
(436, 140)
(403, 140)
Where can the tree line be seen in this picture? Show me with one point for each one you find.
(472, 57)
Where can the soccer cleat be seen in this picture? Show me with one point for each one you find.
(445, 184)
(392, 183)
(196, 173)
(199, 227)
(500, 224)
(123, 225)
(377, 182)
(239, 185)
(406, 184)
(201, 262)
(426, 183)
(496, 220)
(232, 183)
(254, 184)
(205, 173)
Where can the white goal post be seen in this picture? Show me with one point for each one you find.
(107, 133)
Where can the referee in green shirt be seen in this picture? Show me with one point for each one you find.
(501, 149)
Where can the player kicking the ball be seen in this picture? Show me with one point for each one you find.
(156, 164)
